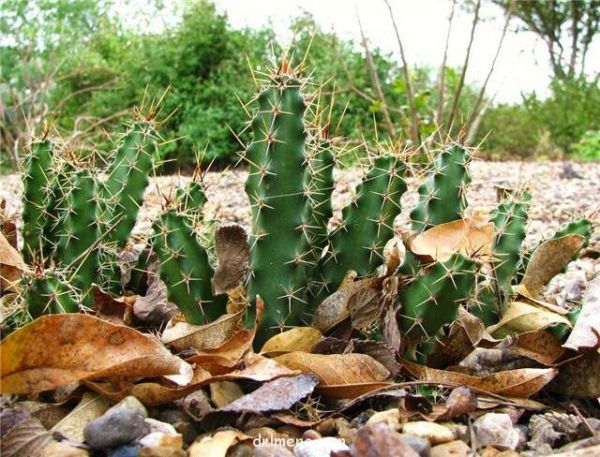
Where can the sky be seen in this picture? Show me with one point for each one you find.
(521, 68)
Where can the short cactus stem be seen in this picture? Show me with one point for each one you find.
(47, 293)
(442, 196)
(185, 269)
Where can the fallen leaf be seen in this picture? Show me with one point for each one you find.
(253, 367)
(295, 339)
(223, 393)
(547, 261)
(115, 310)
(522, 382)
(277, 395)
(394, 252)
(365, 308)
(12, 266)
(218, 444)
(351, 391)
(154, 308)
(89, 408)
(523, 317)
(182, 336)
(469, 237)
(62, 349)
(587, 328)
(538, 345)
(461, 401)
(223, 358)
(336, 369)
(379, 350)
(7, 227)
(579, 378)
(351, 296)
(25, 436)
(231, 244)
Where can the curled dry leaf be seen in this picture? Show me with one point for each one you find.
(253, 367)
(115, 310)
(62, 349)
(295, 339)
(525, 317)
(340, 375)
(538, 345)
(22, 435)
(154, 308)
(347, 301)
(217, 445)
(7, 227)
(547, 261)
(12, 266)
(470, 237)
(182, 336)
(365, 307)
(522, 382)
(587, 328)
(231, 244)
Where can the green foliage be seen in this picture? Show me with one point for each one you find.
(588, 147)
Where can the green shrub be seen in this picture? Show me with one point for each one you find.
(588, 148)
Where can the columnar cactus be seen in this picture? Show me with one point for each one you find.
(185, 269)
(47, 293)
(442, 196)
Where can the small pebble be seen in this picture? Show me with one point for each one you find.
(420, 445)
(433, 432)
(390, 417)
(452, 449)
(497, 430)
(320, 447)
(122, 424)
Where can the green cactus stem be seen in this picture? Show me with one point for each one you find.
(442, 196)
(48, 294)
(36, 189)
(185, 269)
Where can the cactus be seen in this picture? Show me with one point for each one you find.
(432, 299)
(76, 248)
(185, 269)
(510, 222)
(442, 196)
(37, 184)
(367, 222)
(192, 198)
(47, 293)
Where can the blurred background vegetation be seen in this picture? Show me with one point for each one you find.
(81, 67)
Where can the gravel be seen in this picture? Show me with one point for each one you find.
(558, 196)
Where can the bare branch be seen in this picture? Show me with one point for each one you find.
(442, 77)
(461, 82)
(376, 82)
(415, 133)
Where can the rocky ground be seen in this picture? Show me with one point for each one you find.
(561, 191)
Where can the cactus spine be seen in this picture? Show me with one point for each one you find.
(47, 293)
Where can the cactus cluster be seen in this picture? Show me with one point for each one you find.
(78, 222)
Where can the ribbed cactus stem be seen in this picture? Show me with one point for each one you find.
(47, 293)
(510, 222)
(432, 299)
(37, 186)
(192, 198)
(128, 177)
(367, 223)
(185, 269)
(275, 187)
(442, 196)
(77, 247)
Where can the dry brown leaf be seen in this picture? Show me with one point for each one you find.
(218, 444)
(523, 317)
(223, 393)
(115, 310)
(547, 261)
(540, 346)
(348, 300)
(231, 244)
(253, 367)
(63, 349)
(295, 339)
(522, 382)
(470, 237)
(25, 437)
(89, 408)
(351, 391)
(365, 307)
(336, 369)
(579, 378)
(154, 308)
(12, 266)
(587, 328)
(182, 336)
